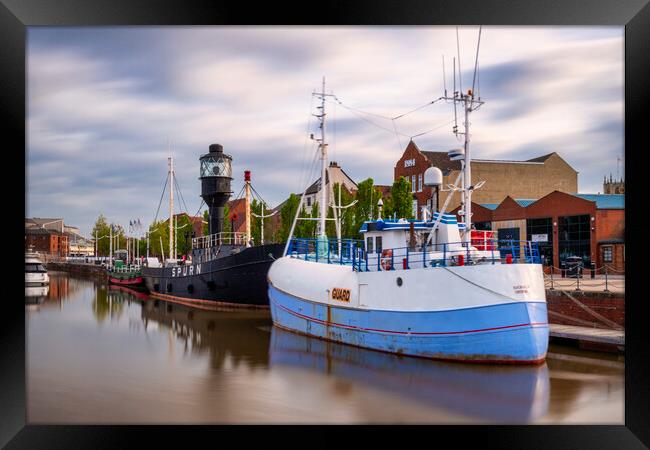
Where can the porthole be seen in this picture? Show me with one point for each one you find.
(399, 281)
(190, 288)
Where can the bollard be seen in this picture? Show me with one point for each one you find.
(405, 263)
(593, 270)
(606, 287)
(461, 260)
(509, 258)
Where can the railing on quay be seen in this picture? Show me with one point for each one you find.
(352, 252)
(605, 277)
(215, 240)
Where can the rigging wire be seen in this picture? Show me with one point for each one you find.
(370, 121)
(418, 108)
(304, 159)
(460, 76)
(478, 45)
(161, 197)
(399, 141)
(180, 194)
(434, 129)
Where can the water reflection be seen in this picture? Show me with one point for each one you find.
(512, 394)
(35, 295)
(237, 336)
(107, 303)
(105, 354)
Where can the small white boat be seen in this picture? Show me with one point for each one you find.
(35, 271)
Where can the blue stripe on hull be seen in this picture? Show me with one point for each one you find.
(514, 332)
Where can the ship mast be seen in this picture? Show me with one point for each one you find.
(170, 161)
(247, 190)
(323, 149)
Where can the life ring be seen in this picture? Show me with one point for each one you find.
(386, 259)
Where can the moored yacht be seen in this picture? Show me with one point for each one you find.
(35, 271)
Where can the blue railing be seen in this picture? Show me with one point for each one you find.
(352, 253)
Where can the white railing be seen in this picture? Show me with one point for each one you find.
(223, 238)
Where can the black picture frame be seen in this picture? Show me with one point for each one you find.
(16, 15)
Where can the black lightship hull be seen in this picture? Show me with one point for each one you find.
(233, 279)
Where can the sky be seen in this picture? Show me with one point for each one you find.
(107, 105)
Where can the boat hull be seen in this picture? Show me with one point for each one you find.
(132, 282)
(483, 313)
(507, 333)
(235, 280)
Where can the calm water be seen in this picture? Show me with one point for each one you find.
(102, 355)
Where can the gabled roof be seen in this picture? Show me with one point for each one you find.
(541, 158)
(605, 201)
(441, 160)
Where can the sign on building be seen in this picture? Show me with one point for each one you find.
(409, 162)
(539, 237)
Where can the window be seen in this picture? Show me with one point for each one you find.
(308, 201)
(216, 167)
(378, 244)
(34, 268)
(420, 183)
(574, 233)
(369, 245)
(413, 186)
(608, 254)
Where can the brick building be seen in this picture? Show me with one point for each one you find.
(47, 236)
(591, 226)
(531, 179)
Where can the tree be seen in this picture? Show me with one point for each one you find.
(287, 213)
(158, 231)
(401, 199)
(206, 223)
(347, 215)
(366, 207)
(256, 222)
(101, 231)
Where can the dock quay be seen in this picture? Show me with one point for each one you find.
(91, 269)
(590, 338)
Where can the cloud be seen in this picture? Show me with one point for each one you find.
(104, 102)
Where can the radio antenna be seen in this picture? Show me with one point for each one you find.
(444, 77)
(460, 76)
(454, 96)
(478, 45)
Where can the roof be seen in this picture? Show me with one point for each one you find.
(541, 158)
(385, 190)
(441, 160)
(520, 201)
(315, 186)
(605, 201)
(36, 230)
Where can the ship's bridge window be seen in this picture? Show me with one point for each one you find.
(378, 244)
(369, 245)
(215, 167)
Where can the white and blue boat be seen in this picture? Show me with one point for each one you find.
(420, 288)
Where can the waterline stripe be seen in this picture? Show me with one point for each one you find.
(420, 333)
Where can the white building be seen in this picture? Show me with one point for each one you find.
(334, 175)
